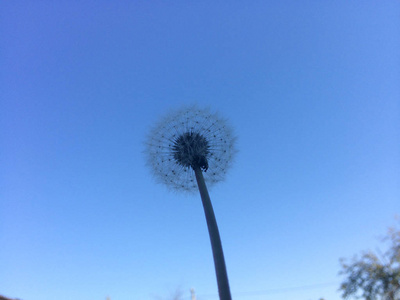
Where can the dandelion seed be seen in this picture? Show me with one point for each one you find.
(188, 138)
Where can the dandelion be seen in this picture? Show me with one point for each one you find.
(187, 150)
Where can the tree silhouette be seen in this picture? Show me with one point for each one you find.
(374, 276)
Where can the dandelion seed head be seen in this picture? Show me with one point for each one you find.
(186, 139)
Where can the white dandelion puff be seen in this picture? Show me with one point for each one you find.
(189, 138)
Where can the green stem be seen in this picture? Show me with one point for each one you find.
(219, 261)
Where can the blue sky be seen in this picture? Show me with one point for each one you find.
(311, 88)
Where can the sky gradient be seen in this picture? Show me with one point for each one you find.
(311, 88)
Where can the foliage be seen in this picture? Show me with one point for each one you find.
(5, 298)
(373, 276)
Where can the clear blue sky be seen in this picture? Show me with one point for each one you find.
(312, 89)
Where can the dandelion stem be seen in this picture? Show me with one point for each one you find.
(218, 254)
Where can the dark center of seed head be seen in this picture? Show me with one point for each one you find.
(191, 150)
